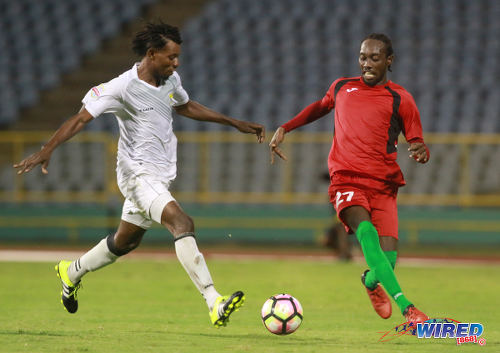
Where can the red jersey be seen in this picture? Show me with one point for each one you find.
(368, 120)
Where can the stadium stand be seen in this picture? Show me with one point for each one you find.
(41, 40)
(269, 65)
(248, 59)
(264, 60)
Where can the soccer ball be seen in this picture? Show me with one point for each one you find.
(282, 314)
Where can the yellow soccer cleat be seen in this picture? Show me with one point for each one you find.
(220, 315)
(68, 293)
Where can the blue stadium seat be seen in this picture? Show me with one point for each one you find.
(33, 32)
(265, 60)
(431, 30)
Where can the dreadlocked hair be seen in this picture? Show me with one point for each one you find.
(154, 35)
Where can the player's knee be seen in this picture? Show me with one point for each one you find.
(354, 215)
(184, 224)
(181, 224)
(176, 220)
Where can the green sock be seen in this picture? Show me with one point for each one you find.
(379, 264)
(370, 280)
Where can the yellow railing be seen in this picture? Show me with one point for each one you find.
(15, 146)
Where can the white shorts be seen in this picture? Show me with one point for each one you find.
(145, 198)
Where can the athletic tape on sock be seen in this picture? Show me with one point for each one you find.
(184, 235)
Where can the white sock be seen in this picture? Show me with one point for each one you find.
(96, 258)
(194, 263)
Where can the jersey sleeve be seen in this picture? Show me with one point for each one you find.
(328, 101)
(179, 96)
(104, 98)
(312, 112)
(410, 116)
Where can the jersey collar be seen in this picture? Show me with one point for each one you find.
(136, 76)
(388, 83)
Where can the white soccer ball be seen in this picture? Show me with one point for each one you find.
(282, 314)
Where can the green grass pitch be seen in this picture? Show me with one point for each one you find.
(152, 306)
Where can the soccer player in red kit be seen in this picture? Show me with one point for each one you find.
(370, 113)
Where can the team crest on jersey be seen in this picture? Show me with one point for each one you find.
(173, 101)
(97, 90)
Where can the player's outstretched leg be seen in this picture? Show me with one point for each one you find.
(379, 299)
(378, 262)
(71, 272)
(370, 279)
(69, 289)
(224, 307)
(219, 307)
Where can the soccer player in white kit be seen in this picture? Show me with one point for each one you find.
(142, 99)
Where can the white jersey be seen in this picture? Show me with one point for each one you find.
(147, 142)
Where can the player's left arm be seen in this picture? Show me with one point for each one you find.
(197, 111)
(413, 130)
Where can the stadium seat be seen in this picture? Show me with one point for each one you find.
(265, 60)
(31, 30)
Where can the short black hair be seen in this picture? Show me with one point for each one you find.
(386, 40)
(154, 35)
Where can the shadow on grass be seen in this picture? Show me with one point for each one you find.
(34, 333)
(291, 339)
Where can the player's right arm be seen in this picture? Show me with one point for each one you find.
(311, 113)
(67, 130)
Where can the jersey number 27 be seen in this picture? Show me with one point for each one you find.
(343, 196)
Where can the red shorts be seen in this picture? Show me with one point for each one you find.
(377, 197)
